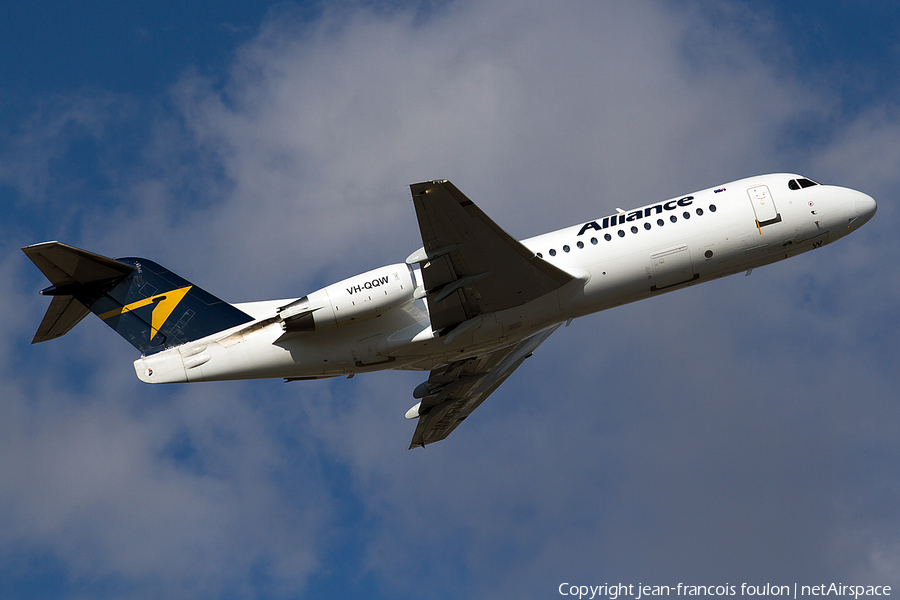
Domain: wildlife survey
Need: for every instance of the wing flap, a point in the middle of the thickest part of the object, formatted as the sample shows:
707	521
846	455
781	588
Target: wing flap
453	391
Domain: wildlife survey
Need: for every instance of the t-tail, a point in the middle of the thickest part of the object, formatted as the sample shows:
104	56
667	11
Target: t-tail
145	303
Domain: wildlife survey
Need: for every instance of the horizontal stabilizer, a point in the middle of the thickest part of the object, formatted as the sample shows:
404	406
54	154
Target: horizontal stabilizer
69	269
145	303
65	312
67	266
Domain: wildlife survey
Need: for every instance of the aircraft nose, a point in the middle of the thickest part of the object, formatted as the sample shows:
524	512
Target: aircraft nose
865	206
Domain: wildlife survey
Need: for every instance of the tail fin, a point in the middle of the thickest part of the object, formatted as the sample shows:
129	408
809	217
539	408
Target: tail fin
146	304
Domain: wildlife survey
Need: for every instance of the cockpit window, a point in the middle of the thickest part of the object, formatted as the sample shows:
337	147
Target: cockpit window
796	184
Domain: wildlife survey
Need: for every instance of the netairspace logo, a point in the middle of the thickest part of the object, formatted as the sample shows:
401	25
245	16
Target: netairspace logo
639	591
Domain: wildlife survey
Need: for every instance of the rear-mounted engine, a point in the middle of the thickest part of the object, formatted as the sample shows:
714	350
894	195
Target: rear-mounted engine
355	299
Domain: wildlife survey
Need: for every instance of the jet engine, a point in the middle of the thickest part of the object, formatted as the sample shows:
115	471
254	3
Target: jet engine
355	299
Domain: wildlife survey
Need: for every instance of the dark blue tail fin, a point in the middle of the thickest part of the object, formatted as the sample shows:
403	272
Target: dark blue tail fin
145	303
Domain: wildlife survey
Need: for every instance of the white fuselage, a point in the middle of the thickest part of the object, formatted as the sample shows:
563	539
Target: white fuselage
379	319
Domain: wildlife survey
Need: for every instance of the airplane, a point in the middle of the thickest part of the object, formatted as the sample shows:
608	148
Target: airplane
469	306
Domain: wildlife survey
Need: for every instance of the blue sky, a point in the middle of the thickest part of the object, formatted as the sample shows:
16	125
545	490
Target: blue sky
739	431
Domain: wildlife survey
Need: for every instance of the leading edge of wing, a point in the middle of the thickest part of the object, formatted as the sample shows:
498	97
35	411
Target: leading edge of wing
470	265
453	391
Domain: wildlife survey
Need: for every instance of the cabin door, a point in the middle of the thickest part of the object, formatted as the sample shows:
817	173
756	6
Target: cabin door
763	205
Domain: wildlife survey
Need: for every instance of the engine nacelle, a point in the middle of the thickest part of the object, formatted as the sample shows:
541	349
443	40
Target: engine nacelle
364	296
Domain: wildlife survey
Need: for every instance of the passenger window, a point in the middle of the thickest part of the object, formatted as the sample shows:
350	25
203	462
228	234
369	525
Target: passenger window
621	233
660	222
647	226
699	211
634	229
539	255
673	218
686	215
712	208
565	248
580	245
607	237
594	240
552	252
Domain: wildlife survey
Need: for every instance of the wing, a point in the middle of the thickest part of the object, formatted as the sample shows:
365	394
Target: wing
470	266
453	391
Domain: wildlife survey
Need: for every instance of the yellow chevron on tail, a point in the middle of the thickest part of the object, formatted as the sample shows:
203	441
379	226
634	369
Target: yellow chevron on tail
165	304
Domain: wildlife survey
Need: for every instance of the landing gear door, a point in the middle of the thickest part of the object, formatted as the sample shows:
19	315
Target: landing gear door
763	205
373	350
